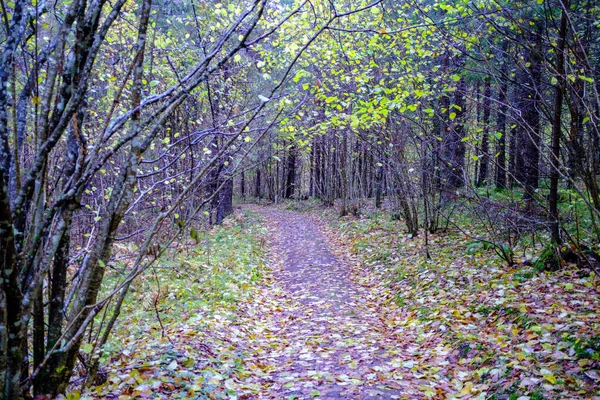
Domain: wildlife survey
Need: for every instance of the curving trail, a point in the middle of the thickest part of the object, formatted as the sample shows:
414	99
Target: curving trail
314	331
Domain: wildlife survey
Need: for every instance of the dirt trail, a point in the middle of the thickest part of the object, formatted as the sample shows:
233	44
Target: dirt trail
327	338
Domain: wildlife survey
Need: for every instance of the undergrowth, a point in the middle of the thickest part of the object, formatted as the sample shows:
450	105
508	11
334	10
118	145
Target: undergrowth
502	332
167	344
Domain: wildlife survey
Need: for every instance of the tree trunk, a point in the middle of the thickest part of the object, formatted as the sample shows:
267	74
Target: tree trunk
243	184
529	127
378	185
225	201
484	159
456	147
12	319
501	142
291	173
556	126
257	183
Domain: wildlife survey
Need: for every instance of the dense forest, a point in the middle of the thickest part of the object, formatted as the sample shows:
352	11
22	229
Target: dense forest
130	129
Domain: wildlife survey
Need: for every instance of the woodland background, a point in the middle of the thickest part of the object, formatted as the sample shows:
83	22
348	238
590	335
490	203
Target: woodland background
127	128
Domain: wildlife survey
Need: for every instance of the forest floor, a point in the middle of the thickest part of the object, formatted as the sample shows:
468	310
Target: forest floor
328	333
348	309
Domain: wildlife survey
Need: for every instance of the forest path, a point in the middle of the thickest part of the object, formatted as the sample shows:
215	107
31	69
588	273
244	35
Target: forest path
322	331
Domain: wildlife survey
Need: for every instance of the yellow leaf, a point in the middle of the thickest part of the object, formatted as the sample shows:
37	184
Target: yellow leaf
584	363
36	100
550	378
467	388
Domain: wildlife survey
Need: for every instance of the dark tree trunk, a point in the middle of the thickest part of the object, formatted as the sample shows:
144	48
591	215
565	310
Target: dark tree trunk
11	307
243	184
311	183
319	168
51	376
378	185
291	173
529	127
225	201
478	123
556	125
456	147
484	159
515	174
257	183
501	142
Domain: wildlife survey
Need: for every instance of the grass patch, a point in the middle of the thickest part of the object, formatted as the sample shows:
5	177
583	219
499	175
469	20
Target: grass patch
167	342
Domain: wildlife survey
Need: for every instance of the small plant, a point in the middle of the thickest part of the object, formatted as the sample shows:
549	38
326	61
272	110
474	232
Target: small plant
549	260
588	348
484	310
477	246
523	276
536	396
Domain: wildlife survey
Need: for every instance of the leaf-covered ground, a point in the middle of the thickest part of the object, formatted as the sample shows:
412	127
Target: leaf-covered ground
196	293
480	328
318	330
351	310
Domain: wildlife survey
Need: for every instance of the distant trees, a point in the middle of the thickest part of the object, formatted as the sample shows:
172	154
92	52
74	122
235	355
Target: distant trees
457	105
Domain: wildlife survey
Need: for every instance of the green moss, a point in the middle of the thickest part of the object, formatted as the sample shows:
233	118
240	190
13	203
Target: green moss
549	259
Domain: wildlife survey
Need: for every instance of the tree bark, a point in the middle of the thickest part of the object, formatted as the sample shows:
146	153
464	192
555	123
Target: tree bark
484	159
501	129
556	125
257	183
291	173
529	127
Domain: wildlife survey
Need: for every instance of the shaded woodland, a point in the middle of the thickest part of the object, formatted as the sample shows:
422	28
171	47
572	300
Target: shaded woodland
129	128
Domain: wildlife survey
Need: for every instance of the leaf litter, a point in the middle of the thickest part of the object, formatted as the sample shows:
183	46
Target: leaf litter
355	312
505	333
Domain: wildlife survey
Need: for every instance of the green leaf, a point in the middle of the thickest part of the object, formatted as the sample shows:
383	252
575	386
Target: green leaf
87	348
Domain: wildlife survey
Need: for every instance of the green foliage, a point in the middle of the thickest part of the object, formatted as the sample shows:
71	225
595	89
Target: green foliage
171	310
587	348
549	259
476	246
